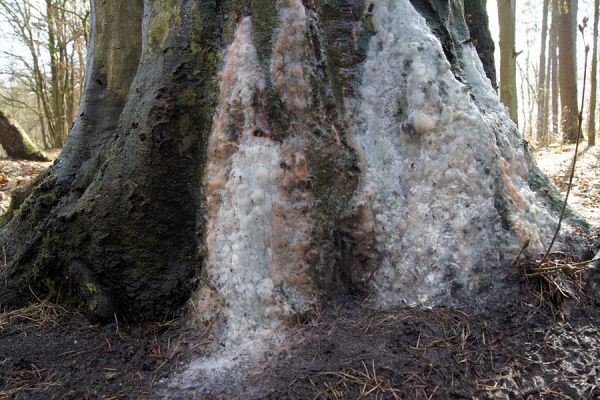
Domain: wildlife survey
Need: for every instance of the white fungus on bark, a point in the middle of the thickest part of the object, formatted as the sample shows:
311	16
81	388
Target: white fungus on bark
435	166
258	229
443	204
241	182
290	55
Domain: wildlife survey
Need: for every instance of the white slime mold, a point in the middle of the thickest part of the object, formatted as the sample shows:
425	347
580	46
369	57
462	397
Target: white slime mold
434	168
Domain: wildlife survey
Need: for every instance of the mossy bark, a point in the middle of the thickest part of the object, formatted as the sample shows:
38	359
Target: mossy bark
16	142
119	210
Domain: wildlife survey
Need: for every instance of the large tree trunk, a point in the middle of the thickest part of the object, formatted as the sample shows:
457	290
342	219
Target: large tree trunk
16	142
508	57
270	155
567	50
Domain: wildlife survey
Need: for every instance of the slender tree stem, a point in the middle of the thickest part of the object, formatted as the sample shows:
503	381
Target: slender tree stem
580	118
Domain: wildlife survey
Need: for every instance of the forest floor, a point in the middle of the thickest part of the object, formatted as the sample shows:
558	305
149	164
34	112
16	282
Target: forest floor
15	174
513	349
556	162
351	350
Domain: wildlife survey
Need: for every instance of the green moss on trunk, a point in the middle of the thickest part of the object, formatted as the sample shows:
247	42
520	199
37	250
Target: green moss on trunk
16	142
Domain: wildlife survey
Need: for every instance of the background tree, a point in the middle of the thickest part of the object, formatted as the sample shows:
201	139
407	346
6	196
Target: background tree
542	95
15	141
53	36
567	45
527	88
553	55
508	54
591	126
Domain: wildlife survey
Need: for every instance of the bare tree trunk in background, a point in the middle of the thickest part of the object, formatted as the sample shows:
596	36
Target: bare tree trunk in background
531	92
542	95
16	142
528	96
46	140
531	97
56	95
553	55
547	133
567	44
591	127
508	67
59	68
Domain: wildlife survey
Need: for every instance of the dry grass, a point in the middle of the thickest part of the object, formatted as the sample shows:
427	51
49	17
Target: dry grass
35	317
556	280
376	379
165	353
365	384
28	380
163	342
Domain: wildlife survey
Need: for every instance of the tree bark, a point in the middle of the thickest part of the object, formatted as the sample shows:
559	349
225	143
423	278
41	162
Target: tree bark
478	22
508	57
567	45
15	141
542	120
547	132
267	156
553	54
591	126
56	68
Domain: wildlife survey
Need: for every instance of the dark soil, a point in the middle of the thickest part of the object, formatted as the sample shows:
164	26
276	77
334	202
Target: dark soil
510	350
507	351
49	353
